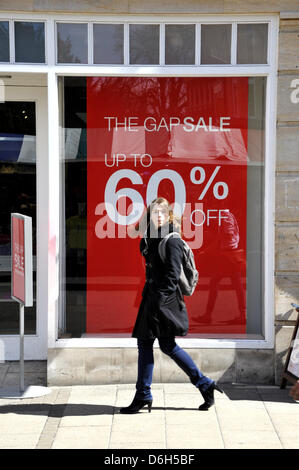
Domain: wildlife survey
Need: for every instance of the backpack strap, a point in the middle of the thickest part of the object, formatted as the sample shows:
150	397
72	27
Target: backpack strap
162	244
145	249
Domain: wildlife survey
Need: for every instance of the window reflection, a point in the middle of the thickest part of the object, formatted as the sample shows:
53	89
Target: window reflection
72	43
223	250
4	41
252	43
29	42
17	194
108	43
179	44
208	131
144	44
215	44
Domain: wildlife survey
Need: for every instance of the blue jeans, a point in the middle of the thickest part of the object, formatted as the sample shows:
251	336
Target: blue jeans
181	358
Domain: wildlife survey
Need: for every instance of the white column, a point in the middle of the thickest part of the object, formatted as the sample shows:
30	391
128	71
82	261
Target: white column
53	207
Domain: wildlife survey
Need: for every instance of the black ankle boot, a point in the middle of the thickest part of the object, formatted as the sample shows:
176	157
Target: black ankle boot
136	405
208	396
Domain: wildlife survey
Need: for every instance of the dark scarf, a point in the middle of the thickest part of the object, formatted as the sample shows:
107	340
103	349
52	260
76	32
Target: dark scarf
154	235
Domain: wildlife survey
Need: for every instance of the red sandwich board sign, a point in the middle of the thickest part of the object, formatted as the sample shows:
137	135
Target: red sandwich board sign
22	292
21	259
21	278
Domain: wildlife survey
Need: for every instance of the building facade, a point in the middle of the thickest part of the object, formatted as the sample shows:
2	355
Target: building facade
104	106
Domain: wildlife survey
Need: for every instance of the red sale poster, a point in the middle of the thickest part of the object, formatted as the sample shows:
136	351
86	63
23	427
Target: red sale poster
18	259
185	139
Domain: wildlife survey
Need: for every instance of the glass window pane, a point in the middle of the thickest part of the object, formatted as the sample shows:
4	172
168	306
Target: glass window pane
215	43
180	44
252	43
29	42
144	43
72	43
17	194
108	43
192	128
4	41
255	201
74	237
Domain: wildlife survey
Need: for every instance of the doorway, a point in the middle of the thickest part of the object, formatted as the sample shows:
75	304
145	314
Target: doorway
23	124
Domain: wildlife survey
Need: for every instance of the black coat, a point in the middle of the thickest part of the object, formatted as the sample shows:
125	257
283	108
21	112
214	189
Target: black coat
162	311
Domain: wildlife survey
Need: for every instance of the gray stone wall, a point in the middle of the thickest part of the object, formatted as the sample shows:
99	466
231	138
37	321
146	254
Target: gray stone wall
84	366
287	194
152	6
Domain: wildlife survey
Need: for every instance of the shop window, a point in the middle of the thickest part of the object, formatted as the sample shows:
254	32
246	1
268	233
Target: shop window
29	42
252	43
144	44
72	43
17	194
108	43
179	44
4	41
216	44
199	142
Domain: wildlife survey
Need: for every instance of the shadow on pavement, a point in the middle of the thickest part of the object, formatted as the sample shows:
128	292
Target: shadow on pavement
77	409
257	393
59	410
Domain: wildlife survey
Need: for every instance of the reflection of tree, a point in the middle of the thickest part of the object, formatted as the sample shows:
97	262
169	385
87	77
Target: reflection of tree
142	96
144	44
64	50
118	44
166	97
179	44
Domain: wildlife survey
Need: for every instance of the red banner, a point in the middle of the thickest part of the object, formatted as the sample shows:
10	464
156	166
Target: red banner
18	259
180	138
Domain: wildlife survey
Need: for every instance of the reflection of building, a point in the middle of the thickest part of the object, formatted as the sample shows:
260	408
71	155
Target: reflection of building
178	142
48	162
225	252
209	145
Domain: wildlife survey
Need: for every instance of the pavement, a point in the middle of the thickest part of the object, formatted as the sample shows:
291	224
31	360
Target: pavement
245	416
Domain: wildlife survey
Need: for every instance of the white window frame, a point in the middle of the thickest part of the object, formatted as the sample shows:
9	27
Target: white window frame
35	343
52	189
11	20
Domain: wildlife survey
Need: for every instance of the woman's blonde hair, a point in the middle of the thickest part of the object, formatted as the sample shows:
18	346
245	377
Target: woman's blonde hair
145	219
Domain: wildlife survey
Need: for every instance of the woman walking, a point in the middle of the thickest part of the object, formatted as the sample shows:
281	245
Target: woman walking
162	313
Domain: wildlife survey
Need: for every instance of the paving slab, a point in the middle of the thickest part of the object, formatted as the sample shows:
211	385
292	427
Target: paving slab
19	441
140	432
82	437
251	440
195	435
